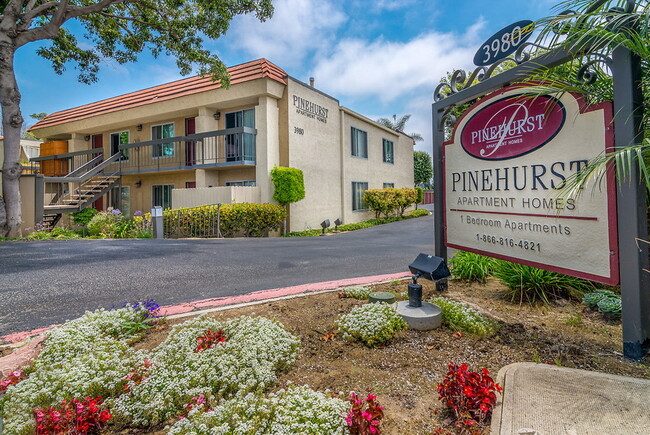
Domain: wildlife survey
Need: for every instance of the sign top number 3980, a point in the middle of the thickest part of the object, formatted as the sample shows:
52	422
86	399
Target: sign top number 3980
503	43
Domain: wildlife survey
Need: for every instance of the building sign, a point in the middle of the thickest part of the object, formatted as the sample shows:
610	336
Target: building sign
503	43
509	155
309	109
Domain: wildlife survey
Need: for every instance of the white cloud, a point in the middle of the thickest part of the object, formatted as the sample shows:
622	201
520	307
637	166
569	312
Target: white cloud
388	70
392	5
298	27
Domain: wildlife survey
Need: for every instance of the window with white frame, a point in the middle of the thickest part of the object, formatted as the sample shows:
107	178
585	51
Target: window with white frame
358	189
241	183
117	139
359	143
162	131
161	195
240	146
389	185
388	151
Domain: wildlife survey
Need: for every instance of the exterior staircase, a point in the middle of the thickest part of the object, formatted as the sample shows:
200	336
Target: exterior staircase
79	189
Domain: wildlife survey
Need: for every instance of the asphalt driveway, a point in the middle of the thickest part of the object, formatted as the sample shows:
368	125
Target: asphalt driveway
43	283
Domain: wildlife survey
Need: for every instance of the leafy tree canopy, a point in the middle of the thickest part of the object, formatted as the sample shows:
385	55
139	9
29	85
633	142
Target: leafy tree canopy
422	167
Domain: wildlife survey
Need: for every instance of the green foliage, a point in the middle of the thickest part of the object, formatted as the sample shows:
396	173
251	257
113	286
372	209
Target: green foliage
592	299
469	266
420	195
251	219
372	324
417	213
289	185
532	284
386	202
356	292
422	167
574	320
58	233
610	307
459	317
359	225
606	301
84	216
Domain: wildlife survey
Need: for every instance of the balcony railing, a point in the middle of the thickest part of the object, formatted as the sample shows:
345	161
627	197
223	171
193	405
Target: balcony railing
61	165
233	146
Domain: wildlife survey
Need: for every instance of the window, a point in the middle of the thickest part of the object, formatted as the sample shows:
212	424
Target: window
120	198
389	185
241	183
388	151
117	139
358	189
359	143
240	146
162	131
162	195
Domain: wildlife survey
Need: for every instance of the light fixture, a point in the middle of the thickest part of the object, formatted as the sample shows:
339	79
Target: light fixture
138	127
324	224
138	183
87	137
217	115
337	222
428	267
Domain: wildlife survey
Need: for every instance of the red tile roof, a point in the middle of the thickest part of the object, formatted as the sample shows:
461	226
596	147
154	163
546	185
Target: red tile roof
253	70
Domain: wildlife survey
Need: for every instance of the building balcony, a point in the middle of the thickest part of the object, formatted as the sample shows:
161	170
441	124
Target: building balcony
219	148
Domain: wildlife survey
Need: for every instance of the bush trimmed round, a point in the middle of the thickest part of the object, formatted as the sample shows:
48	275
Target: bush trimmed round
372	324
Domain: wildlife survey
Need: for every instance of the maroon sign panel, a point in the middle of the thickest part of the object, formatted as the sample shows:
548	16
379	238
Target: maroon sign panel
512	127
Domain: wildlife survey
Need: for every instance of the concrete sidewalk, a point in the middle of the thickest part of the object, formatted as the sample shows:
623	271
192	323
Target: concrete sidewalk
540	399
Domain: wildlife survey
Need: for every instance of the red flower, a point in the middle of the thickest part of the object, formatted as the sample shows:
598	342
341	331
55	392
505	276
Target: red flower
209	339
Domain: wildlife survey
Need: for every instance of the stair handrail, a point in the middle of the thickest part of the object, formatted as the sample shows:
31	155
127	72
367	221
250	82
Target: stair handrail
83	167
80	179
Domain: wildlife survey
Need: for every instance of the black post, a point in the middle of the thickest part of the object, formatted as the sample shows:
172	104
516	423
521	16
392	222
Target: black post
631	204
440	249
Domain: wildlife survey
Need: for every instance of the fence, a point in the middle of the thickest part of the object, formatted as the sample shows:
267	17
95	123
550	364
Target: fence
200	222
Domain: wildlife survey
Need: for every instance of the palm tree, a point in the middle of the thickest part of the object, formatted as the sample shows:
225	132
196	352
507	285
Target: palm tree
601	25
400	125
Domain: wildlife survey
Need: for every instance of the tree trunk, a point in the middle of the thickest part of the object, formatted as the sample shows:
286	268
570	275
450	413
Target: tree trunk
12	122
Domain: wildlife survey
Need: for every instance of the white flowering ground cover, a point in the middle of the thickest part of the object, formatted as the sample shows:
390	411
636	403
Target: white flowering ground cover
91	356
372	324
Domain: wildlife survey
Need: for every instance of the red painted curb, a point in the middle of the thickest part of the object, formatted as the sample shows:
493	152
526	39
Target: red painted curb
261	295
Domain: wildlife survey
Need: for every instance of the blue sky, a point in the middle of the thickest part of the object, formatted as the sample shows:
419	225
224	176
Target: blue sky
378	58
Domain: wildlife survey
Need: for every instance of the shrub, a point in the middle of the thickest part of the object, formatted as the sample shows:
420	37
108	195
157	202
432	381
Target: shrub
469	266
297	410
459	317
289	185
72	417
419	195
112	223
386	202
45	233
254	350
251	219
469	395
532	284
356	292
84	216
372	324
417	213
610	306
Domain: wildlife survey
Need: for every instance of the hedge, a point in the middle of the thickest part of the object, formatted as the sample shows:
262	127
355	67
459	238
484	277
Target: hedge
390	201
251	219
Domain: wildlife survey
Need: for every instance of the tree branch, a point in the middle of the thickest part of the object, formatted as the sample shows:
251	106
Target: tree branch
30	14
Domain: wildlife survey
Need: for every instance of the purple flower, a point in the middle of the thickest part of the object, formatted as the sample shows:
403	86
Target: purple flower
137	213
116	211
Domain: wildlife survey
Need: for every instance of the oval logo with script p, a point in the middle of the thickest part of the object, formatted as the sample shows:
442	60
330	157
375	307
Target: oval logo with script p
512	126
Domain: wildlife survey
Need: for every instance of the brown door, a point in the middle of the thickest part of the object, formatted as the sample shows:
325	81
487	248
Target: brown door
190	147
98	143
